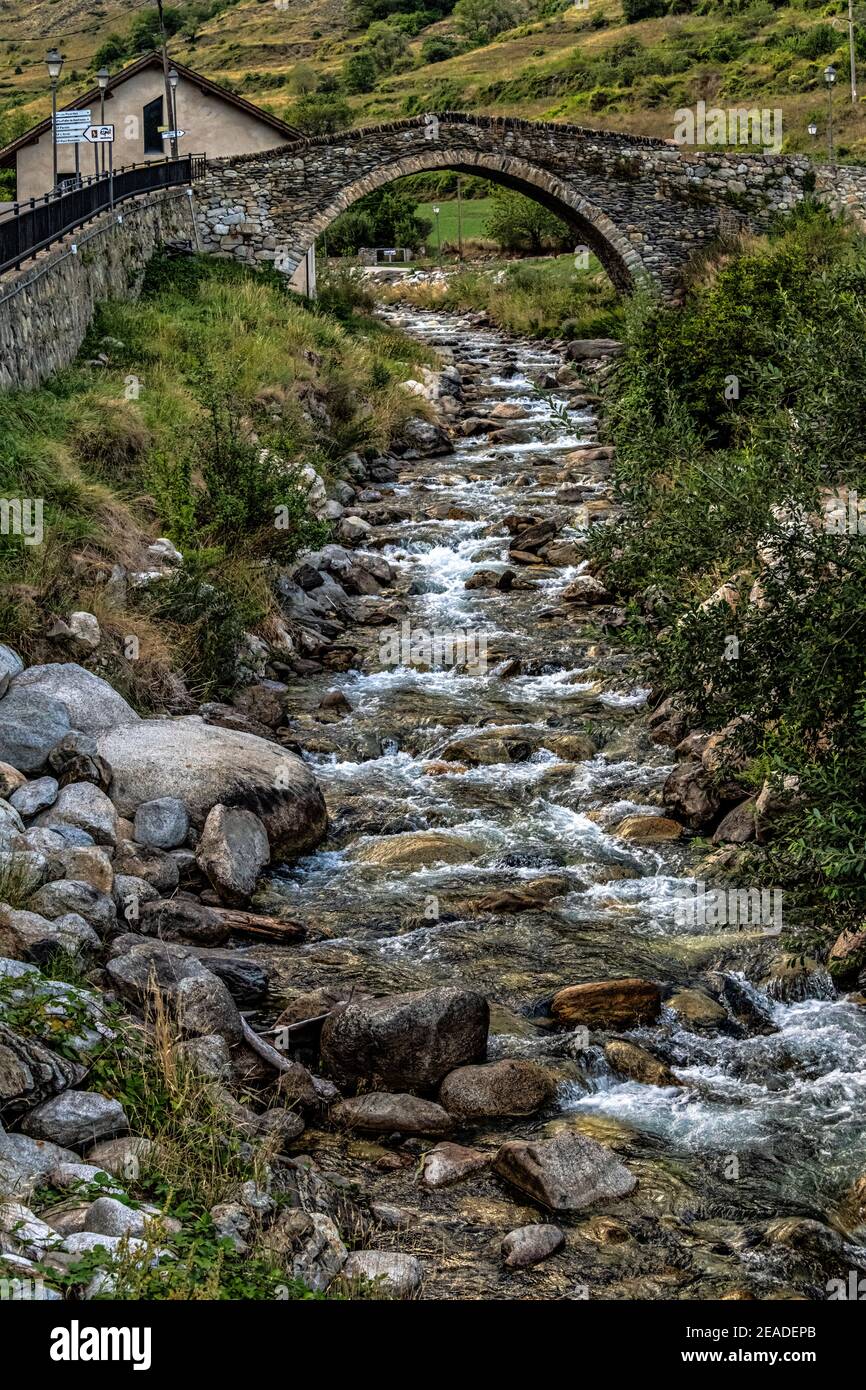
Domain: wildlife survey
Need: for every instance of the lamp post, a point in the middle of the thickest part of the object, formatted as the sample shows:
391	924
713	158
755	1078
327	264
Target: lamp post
830	78
102	78
173	80
438	237
54	63
812	128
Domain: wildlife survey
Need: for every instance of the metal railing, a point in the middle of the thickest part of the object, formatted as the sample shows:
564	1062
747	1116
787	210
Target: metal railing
29	227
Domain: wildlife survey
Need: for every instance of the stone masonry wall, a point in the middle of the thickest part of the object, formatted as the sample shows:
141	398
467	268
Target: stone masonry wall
643	205
46	306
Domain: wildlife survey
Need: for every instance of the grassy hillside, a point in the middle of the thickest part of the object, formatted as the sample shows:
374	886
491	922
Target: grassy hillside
586	65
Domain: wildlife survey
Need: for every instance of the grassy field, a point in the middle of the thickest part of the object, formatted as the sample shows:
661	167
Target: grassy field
474	216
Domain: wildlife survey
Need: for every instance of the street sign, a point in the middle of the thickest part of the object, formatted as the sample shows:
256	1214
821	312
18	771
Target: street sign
69	126
99	135
173	134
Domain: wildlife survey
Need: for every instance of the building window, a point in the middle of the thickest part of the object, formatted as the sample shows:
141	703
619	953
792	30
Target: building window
153	142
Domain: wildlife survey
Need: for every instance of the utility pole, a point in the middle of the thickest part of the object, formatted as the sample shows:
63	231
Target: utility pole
459	218
851	50
169	104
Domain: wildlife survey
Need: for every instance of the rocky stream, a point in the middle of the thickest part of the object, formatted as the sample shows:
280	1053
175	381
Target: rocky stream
499	830
511	1066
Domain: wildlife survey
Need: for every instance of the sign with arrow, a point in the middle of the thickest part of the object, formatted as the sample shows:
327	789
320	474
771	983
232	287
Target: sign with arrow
99	135
69	126
173	134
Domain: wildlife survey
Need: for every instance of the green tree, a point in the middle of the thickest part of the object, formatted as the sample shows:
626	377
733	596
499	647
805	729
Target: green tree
635	10
318	113
387	217
359	72
386	45
517	223
481	20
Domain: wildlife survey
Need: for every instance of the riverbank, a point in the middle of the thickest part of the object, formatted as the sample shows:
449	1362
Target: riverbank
507	1062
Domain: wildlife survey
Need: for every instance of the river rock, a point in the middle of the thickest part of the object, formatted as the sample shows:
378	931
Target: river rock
691	795
29	936
70	895
504	1088
197	1000
638	1065
406	1041
154	866
76	1119
30	1073
649	829
24	1161
847	958
10	665
586	589
84	806
204	766
180	919
739	825
309	1244
34	797
10	780
163	823
529	1245
398	1275
696	1009
88	864
379	1112
91	704
416	848
565	1173
31	722
123	1157
232	851
608	1004
449	1163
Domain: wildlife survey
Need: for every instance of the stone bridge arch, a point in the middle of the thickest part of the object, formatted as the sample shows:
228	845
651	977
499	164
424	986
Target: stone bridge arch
644	206
591	226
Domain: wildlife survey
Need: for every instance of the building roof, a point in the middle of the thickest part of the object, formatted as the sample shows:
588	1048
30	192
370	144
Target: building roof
149	60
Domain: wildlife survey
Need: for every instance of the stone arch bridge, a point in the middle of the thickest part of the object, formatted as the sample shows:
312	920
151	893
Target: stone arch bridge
644	206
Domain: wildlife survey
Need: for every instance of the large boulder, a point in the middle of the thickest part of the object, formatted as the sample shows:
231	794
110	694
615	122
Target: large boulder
608	1004
31	722
205	766
197	1000
91	704
510	1087
406	1041
76	1119
28	936
565	1173
232	851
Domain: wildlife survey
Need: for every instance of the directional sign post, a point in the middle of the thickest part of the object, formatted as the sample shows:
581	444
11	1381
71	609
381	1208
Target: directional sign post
173	134
69	126
99	134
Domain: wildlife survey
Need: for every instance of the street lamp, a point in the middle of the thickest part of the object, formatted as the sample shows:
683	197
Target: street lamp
173	80
438	238
102	78
830	78
812	128
54	63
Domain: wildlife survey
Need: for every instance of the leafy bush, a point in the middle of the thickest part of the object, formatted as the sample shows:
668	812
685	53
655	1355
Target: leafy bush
517	223
318	113
735	419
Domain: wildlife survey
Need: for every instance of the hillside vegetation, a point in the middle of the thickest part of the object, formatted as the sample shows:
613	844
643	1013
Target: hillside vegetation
610	64
190	414
739	425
